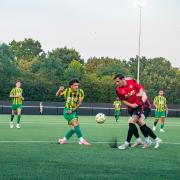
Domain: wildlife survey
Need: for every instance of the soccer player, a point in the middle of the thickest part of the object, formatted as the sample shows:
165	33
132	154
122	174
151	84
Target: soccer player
73	98
161	110
134	97
117	108
17	98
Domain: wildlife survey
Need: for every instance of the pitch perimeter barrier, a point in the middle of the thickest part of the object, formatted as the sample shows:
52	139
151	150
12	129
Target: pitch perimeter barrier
88	109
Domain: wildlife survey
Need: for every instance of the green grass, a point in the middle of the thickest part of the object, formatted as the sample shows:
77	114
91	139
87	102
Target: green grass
34	153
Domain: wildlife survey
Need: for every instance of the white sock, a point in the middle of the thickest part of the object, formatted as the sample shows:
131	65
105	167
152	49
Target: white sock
81	139
64	138
127	143
146	139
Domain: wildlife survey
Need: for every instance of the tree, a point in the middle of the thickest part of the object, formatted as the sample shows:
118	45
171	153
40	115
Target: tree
8	70
65	55
75	70
26	49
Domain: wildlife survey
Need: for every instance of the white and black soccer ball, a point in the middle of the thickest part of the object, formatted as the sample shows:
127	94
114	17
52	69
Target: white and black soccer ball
100	118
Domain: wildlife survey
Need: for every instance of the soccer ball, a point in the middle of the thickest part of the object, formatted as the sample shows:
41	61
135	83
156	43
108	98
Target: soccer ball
100	118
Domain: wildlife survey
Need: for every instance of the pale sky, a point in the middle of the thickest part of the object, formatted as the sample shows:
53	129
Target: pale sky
95	27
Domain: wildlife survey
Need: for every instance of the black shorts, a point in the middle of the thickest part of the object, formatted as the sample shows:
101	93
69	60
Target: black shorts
146	111
135	111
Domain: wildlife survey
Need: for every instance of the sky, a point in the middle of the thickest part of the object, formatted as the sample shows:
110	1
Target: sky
95	27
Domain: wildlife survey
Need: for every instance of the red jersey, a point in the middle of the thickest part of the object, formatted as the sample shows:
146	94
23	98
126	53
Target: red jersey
129	92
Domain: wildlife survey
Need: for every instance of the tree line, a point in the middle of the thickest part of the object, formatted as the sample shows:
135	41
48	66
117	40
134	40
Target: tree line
42	73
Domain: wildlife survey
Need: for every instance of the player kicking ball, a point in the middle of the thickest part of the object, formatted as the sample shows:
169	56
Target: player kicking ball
17	98
73	98
134	97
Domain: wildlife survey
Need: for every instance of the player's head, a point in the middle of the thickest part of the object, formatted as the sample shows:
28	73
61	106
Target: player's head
117	99
161	93
119	80
74	84
18	84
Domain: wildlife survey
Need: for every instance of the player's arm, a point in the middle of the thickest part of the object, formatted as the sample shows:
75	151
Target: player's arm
141	93
60	90
155	102
79	104
166	107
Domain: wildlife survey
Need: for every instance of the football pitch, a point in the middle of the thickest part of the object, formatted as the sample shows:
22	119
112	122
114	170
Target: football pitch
32	152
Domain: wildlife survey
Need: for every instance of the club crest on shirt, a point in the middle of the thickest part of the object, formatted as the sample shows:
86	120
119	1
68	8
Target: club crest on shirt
131	86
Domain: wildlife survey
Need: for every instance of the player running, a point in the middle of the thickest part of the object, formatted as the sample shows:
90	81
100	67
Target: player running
134	97
73	98
117	108
160	111
17	98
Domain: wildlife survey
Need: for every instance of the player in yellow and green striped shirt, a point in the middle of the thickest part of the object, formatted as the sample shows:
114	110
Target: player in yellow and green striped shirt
161	110
117	108
17	98
73	97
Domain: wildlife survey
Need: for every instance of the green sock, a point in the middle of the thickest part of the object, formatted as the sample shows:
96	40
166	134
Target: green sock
12	117
162	126
155	123
18	119
78	131
69	133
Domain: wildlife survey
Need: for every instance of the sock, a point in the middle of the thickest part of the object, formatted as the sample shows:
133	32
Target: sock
150	132
12	117
69	133
78	131
155	123
130	132
144	130
18	119
136	134
162	126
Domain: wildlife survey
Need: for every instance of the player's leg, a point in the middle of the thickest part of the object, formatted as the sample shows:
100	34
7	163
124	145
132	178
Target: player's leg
78	132
147	131
117	114
144	131
156	120
18	116
73	122
162	122
131	131
14	111
67	135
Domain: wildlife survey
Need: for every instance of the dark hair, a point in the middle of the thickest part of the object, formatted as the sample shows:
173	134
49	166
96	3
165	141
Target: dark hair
72	81
120	76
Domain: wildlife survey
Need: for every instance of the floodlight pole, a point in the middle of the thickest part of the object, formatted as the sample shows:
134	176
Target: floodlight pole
139	45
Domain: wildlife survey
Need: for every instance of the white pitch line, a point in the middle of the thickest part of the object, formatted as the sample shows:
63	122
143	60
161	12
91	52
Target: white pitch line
63	123
93	142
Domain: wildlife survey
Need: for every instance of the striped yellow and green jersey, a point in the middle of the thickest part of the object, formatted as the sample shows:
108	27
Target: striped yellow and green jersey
72	98
117	105
160	103
15	92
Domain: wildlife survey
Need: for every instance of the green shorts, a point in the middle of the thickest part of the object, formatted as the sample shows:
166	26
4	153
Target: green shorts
160	114
117	113
14	107
70	117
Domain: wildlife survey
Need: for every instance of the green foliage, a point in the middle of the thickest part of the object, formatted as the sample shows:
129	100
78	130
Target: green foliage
26	49
75	70
42	73
7	70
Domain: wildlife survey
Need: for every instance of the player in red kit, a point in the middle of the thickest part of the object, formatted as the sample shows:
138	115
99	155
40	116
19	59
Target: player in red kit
134	97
